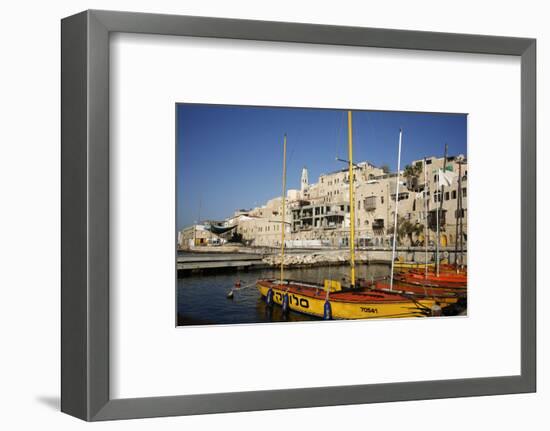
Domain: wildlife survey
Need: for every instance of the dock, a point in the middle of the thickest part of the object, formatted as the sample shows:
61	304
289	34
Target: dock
213	261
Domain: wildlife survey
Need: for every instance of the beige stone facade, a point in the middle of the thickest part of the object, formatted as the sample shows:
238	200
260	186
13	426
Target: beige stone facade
320	212
197	236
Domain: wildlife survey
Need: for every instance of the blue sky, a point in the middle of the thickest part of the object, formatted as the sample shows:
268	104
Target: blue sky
230	157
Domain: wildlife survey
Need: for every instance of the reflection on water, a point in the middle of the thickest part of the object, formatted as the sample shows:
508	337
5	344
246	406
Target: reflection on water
202	299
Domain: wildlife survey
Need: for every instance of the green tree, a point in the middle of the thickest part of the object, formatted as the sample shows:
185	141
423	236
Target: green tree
411	173
413	170
406	229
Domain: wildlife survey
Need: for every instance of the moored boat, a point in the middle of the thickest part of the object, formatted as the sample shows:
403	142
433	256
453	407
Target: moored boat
439	295
412	265
443	269
444	280
349	304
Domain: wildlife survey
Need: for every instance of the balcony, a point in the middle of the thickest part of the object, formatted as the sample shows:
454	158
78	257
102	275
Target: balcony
370	203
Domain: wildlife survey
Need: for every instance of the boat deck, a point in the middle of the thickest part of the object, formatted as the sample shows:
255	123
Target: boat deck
314	291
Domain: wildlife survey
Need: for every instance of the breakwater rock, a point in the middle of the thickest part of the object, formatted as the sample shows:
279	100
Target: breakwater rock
313	259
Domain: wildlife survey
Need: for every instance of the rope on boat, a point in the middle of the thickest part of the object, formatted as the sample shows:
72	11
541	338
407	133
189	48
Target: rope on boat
238	287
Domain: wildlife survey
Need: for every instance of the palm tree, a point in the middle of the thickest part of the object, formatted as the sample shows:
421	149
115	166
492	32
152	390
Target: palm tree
417	230
411	173
406	229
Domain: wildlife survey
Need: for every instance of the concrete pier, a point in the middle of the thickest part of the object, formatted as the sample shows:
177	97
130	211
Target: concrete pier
219	261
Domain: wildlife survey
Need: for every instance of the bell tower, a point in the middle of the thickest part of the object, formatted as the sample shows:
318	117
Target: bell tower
304	182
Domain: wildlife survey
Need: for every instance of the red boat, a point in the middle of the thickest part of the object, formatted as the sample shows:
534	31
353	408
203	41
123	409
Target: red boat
440	295
443	269
443	280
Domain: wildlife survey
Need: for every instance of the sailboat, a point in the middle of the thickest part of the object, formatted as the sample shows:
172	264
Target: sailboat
443	296
448	280
331	300
412	265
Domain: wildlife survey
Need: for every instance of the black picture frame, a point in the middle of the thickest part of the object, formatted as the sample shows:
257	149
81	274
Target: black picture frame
85	214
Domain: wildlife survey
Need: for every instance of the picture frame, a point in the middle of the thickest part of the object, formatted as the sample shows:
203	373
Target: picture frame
85	341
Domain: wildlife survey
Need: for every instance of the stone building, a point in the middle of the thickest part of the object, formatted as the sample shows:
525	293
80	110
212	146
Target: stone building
197	236
320	212
262	225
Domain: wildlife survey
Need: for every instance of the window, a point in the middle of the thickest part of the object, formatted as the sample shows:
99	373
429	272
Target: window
381	199
464	192
453	194
446	196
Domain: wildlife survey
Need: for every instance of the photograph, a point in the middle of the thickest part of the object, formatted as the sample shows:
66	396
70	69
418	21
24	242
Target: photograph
296	214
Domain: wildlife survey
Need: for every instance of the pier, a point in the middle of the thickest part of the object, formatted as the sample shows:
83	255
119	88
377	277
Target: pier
219	261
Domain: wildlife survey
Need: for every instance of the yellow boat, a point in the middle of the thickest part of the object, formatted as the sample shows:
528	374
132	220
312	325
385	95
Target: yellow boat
400	264
412	265
351	304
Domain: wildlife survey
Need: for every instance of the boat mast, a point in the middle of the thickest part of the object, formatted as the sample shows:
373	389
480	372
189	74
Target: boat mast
457	215
283	213
459	196
425	220
439	210
396	207
351	203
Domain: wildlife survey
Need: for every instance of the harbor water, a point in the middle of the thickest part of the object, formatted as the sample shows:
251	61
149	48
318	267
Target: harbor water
202	297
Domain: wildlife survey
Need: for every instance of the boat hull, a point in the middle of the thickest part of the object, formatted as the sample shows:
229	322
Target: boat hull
345	305
442	296
447	281
412	265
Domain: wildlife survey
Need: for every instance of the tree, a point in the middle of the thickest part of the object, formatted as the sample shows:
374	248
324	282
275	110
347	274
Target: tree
406	229
411	173
413	170
385	168
416	230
